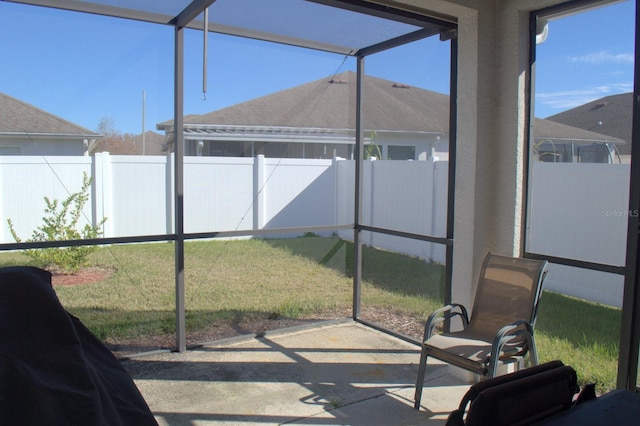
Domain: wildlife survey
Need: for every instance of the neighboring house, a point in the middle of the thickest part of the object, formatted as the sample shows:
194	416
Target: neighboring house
559	143
28	130
317	120
611	115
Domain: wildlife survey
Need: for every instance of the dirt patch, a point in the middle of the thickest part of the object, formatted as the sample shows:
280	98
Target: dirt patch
252	325
215	331
84	276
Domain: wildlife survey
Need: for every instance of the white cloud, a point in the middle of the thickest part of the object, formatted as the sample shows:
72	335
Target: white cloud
603	57
567	99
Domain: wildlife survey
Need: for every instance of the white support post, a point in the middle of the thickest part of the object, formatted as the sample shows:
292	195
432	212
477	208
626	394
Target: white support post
102	200
336	190
170	205
258	192
368	217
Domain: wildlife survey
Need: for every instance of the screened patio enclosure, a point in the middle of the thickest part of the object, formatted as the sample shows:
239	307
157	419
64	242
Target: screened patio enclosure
491	62
350	29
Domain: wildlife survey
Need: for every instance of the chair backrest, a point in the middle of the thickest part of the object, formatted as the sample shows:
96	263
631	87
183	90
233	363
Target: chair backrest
508	290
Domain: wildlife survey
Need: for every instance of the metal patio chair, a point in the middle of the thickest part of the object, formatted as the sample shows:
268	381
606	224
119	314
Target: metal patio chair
501	323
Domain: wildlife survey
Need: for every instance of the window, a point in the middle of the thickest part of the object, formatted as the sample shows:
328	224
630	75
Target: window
401	152
577	213
244	197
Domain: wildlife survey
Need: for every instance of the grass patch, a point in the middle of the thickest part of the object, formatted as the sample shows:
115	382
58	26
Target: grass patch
582	334
228	282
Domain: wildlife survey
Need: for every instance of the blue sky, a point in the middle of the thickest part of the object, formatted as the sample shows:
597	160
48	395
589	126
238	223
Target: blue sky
586	56
84	68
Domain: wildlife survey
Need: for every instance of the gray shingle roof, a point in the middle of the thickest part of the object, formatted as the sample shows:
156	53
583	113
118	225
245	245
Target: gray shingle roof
611	115
330	103
547	129
20	117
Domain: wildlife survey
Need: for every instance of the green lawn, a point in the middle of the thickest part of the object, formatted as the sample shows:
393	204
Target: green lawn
227	282
581	334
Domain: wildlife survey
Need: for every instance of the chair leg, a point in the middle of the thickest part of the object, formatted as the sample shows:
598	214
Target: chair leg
533	351
493	369
420	382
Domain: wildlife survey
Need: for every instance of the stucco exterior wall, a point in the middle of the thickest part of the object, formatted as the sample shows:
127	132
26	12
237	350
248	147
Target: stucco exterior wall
42	146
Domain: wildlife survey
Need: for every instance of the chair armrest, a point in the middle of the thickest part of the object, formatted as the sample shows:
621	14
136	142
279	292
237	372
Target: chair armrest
442	314
509	332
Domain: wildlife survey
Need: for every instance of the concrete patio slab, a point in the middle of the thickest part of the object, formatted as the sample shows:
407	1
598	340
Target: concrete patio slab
335	373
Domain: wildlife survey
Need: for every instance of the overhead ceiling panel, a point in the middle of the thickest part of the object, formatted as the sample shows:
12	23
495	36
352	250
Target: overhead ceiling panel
345	27
163	7
160	12
308	23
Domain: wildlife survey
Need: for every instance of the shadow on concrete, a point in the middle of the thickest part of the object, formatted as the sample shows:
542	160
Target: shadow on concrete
342	373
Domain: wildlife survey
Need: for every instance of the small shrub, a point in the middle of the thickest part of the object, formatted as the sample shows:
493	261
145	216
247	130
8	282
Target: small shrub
60	224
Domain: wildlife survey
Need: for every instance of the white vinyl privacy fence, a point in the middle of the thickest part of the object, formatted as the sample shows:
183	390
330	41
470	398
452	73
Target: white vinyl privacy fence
135	193
578	210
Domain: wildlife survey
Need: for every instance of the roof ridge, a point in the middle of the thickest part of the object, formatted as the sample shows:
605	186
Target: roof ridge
47	113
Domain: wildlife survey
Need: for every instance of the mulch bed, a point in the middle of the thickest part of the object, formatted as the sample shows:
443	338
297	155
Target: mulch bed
84	276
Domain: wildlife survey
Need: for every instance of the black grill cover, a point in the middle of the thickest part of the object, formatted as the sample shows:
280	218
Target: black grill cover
53	371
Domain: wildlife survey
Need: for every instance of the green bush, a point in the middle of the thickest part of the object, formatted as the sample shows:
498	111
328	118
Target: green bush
60	223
